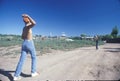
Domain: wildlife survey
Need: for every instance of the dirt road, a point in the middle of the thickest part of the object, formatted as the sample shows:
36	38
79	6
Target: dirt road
85	63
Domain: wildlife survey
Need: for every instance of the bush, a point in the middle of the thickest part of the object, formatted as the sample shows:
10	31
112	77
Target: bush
115	40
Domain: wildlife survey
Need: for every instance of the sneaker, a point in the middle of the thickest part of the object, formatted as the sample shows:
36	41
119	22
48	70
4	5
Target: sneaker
16	78
34	74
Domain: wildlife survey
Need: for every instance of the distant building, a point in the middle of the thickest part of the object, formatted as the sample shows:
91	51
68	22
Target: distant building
87	38
63	36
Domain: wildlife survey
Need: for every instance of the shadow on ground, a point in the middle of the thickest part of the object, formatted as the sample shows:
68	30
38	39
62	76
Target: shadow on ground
112	49
9	75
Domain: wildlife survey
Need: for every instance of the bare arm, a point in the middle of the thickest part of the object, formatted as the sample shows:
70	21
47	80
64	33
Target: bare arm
31	21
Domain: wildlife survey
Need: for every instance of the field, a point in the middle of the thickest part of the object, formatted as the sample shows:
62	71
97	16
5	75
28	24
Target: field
58	59
46	45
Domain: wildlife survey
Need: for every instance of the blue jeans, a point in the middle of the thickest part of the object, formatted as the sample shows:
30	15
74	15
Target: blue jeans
96	44
27	47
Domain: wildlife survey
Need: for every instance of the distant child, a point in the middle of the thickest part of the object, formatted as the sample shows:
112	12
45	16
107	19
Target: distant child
27	47
96	40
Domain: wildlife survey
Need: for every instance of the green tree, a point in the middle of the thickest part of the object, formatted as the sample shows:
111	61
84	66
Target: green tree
114	32
83	35
105	37
118	36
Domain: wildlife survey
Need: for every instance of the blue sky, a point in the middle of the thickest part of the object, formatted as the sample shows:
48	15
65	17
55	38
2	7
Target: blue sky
74	17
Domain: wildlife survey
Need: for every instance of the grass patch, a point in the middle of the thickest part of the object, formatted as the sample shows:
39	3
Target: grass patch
6	43
45	46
